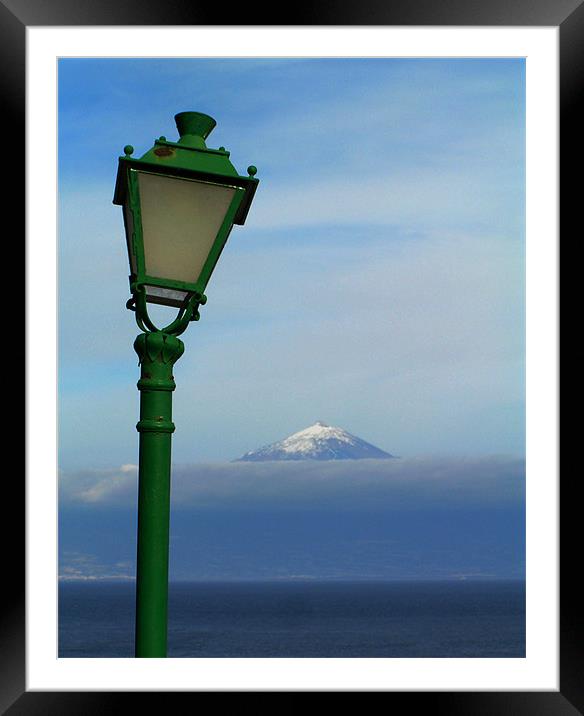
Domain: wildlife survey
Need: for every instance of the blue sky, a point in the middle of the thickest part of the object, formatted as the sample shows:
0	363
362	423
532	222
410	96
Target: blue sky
378	285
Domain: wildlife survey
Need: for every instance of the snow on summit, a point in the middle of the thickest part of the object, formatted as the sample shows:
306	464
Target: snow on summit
317	442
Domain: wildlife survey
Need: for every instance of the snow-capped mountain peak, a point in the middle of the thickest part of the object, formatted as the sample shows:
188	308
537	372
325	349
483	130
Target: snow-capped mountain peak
317	442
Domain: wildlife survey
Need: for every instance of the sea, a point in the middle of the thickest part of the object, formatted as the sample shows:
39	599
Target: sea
301	619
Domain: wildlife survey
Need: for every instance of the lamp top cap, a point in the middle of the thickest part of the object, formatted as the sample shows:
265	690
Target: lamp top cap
194	123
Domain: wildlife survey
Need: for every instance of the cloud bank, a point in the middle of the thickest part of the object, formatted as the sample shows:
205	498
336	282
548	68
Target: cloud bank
413	483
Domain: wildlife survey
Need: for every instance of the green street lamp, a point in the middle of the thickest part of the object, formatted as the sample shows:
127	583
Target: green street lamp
180	201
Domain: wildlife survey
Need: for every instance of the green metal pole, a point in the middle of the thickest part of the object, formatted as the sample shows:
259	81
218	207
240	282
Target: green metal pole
157	352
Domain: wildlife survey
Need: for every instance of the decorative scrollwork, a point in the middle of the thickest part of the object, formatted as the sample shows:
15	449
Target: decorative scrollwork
186	313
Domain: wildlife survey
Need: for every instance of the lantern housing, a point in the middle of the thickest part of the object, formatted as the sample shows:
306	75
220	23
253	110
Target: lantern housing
180	201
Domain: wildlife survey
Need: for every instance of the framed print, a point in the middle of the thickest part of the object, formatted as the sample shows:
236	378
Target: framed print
414	284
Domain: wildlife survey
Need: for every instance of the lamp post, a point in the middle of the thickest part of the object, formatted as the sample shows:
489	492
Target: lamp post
180	201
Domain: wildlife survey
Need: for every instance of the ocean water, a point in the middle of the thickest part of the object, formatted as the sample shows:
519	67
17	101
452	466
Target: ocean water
303	619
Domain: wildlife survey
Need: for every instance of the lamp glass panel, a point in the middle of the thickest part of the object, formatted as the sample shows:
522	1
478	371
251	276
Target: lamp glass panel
165	296
180	222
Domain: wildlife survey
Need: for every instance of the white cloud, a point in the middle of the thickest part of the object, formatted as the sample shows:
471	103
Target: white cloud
98	486
427	198
371	484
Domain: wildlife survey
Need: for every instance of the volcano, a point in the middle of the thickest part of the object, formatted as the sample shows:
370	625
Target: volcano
317	442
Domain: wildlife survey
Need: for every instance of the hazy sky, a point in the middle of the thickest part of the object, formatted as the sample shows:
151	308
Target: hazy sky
377	285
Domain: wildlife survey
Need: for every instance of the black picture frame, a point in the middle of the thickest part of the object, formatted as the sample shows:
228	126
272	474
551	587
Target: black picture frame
568	15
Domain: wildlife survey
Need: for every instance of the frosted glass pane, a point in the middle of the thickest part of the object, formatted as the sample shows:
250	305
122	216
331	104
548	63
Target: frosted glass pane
180	222
165	296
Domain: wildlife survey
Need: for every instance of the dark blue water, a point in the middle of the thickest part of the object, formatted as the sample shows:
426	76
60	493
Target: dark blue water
304	619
